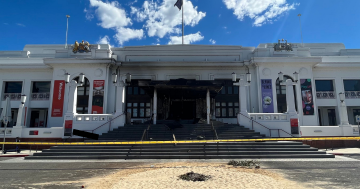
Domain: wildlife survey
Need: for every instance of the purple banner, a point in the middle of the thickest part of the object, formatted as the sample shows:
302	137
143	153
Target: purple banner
307	98
267	96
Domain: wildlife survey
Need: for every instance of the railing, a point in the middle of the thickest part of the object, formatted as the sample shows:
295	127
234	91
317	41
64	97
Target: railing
252	126
40	96
145	134
213	128
12	96
107	122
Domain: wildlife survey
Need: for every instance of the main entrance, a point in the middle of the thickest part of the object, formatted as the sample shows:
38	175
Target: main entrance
182	110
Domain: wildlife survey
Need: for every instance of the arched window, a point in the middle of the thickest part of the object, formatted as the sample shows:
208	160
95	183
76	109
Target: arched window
83	91
281	95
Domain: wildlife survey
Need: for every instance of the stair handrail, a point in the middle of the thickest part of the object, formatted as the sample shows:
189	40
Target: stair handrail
265	126
142	138
212	125
107	122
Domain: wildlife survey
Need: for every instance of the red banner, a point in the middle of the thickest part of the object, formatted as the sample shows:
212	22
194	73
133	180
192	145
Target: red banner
68	124
58	98
98	97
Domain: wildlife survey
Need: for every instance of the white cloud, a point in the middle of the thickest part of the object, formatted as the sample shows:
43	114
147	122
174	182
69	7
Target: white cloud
104	40
163	18
112	16
22	25
262	11
126	34
188	39
88	15
212	41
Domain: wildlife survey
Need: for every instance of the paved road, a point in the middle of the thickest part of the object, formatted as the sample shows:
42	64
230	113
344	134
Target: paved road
331	173
30	175
326	174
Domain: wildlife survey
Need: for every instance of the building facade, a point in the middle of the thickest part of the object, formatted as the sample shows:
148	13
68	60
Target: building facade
232	84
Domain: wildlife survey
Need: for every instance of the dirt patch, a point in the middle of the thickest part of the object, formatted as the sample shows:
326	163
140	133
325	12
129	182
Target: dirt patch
165	175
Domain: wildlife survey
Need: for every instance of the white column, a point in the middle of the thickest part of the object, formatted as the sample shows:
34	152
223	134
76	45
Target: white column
344	120
120	96
243	97
72	98
155	107
208	106
20	116
290	97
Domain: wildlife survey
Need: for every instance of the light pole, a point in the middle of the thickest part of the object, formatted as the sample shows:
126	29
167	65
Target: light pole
67	27
302	44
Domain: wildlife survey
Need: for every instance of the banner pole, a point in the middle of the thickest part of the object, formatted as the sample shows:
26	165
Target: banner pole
183	22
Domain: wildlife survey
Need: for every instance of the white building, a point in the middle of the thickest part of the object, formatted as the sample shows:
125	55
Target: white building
191	81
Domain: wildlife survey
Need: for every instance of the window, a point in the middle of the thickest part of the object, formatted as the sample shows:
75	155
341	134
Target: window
41	87
281	95
352	85
139	110
82	97
226	109
324	85
41	90
13	87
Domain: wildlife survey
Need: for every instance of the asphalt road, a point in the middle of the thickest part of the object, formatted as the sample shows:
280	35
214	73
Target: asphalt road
326	174
27	174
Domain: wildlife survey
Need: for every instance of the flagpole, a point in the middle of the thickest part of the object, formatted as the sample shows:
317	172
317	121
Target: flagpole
183	22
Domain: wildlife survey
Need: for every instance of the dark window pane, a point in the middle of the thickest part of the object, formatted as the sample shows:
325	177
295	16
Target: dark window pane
223	90
142	91
324	85
135	112
223	112
352	85
129	90
236	90
231	113
136	90
229	90
41	87
13	87
217	112
142	112
147	112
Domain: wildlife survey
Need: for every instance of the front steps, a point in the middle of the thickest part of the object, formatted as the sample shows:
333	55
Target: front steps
240	150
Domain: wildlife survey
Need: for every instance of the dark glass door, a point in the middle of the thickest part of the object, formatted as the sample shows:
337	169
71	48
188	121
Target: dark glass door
355	113
332	117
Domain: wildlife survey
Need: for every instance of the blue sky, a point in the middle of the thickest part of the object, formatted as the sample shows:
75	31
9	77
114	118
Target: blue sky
139	22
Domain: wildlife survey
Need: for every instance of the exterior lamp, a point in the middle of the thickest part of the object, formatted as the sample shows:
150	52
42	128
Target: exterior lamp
281	76
114	77
67	78
128	78
248	77
81	78
296	76
233	76
342	97
23	99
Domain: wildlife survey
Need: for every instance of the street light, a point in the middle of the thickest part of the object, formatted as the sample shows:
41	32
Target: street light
233	76
128	78
342	97
281	76
67	78
23	99
296	76
81	78
114	77
248	77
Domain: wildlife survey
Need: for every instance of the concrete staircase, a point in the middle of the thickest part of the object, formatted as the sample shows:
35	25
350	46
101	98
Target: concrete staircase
240	150
185	131
188	131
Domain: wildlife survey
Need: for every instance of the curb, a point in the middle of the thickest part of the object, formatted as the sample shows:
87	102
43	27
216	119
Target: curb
21	155
343	154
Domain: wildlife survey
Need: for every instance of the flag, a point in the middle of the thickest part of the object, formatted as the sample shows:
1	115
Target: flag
179	4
